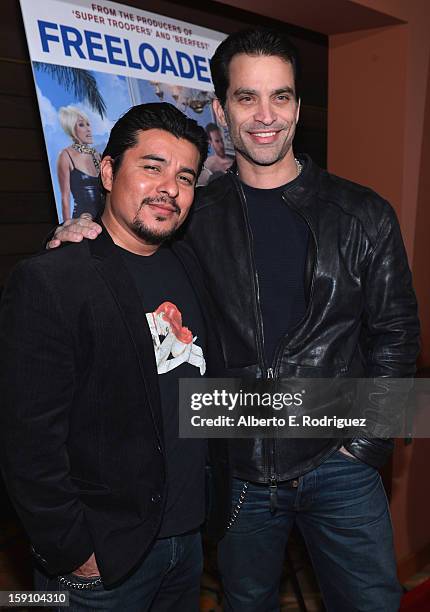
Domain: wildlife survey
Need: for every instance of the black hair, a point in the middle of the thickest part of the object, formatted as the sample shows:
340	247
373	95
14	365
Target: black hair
252	41
211	127
153	116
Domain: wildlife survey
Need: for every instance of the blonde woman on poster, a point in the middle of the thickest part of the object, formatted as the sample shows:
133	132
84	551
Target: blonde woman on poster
78	165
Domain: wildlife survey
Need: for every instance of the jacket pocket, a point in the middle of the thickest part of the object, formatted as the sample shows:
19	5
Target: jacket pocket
88	487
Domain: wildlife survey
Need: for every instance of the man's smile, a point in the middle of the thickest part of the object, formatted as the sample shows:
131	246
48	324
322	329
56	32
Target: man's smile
264	137
162	206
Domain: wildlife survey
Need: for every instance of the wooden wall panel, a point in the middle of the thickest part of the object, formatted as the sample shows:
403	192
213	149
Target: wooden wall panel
32	207
17	78
24	175
22	238
23	144
19	112
12	36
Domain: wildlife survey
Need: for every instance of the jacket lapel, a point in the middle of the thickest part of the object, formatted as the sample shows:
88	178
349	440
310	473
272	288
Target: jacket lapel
109	264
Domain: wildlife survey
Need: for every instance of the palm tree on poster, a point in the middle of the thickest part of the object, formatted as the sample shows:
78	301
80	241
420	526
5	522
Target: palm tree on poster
80	82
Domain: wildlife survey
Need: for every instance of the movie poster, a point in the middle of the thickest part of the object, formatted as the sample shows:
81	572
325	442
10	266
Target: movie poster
91	62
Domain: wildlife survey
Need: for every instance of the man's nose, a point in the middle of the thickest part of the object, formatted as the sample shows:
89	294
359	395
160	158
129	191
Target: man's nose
265	113
169	185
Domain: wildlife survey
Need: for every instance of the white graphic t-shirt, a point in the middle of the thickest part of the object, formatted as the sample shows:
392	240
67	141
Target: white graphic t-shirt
174	344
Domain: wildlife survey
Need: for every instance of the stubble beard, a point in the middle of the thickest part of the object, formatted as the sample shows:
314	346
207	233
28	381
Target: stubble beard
251	155
264	157
149	235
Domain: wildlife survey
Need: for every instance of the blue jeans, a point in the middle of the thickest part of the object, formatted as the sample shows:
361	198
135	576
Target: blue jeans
168	580
342	512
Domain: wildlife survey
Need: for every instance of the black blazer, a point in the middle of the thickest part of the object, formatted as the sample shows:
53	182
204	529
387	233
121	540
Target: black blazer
81	433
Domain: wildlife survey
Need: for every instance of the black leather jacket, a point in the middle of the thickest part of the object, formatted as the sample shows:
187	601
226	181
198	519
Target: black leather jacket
361	317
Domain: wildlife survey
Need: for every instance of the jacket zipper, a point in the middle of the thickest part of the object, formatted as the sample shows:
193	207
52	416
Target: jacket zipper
274	369
271	467
257	310
267	372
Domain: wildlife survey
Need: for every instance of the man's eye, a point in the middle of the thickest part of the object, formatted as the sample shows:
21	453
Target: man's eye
283	98
186	179
152	168
245	99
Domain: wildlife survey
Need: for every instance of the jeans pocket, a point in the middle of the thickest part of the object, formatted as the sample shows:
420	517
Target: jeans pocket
351	458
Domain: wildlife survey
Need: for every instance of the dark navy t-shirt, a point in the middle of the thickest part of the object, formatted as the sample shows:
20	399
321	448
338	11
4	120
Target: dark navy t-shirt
178	331
280	241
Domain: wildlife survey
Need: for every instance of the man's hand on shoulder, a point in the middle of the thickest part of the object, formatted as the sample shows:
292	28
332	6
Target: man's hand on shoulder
74	230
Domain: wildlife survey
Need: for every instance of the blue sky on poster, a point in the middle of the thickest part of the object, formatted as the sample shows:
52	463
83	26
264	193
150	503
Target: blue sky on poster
52	97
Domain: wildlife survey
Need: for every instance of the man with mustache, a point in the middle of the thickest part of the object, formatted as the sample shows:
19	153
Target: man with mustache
310	279
111	499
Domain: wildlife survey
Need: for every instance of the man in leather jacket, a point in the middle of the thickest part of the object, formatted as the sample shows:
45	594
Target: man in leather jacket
309	278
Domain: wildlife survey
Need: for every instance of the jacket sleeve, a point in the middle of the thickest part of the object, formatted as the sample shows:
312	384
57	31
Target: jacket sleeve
37	379
392	333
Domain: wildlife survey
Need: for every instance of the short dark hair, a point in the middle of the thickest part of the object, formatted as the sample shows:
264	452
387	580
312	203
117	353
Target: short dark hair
252	41
153	116
212	127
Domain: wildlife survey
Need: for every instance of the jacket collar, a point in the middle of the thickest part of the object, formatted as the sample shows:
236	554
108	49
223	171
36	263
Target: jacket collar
300	189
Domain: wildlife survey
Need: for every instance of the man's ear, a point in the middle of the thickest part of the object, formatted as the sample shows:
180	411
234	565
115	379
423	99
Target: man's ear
106	172
219	112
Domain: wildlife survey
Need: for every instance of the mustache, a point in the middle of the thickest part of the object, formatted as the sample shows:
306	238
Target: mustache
161	200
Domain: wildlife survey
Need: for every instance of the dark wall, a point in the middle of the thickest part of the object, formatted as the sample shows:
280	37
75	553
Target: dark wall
27	208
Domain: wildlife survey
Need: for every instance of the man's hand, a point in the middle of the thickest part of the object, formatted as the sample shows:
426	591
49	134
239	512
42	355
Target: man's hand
346	452
74	230
89	569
